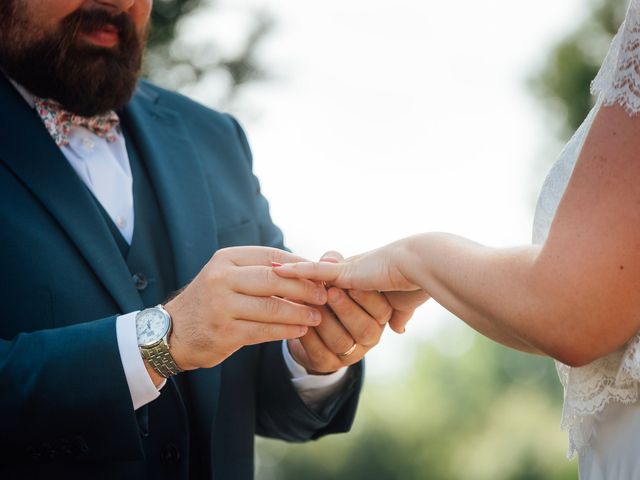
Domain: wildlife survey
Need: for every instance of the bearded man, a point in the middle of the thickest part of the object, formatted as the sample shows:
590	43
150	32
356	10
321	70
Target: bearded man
114	194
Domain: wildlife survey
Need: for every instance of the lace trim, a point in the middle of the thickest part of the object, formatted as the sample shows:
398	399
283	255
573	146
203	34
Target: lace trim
589	389
618	81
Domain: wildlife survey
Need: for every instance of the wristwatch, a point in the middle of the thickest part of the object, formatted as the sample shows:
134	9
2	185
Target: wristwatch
153	327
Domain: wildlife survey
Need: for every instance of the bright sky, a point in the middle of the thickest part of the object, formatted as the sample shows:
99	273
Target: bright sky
396	117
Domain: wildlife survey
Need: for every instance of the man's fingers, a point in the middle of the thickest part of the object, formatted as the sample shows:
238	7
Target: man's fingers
364	329
319	271
274	310
253	333
263	282
298	352
374	303
333	334
320	358
398	322
404	304
266	256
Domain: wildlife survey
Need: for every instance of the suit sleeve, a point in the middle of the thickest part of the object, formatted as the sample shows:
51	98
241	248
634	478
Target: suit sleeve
64	395
281	412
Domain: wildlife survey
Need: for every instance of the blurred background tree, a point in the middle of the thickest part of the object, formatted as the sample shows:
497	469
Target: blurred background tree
488	414
563	84
173	61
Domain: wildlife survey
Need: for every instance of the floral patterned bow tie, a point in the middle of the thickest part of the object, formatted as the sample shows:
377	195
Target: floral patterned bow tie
59	122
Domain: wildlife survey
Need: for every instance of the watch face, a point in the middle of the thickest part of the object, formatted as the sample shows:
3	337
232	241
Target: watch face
151	326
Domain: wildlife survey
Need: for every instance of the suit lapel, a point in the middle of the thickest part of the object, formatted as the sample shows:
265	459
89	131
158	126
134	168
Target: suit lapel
29	151
174	167
175	171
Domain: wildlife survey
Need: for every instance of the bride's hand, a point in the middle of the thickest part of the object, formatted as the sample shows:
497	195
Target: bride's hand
375	270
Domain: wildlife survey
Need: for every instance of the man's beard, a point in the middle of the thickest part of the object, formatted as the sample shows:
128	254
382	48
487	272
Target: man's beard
86	80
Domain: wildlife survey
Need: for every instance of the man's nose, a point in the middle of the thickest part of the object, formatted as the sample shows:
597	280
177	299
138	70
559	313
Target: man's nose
115	6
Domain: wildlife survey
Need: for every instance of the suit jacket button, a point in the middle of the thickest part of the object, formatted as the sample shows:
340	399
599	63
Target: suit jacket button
170	454
140	281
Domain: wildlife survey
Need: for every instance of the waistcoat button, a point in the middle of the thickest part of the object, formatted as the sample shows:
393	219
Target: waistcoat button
170	454
140	281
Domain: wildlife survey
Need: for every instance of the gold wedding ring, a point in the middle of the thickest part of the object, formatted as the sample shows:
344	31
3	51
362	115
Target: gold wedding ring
350	351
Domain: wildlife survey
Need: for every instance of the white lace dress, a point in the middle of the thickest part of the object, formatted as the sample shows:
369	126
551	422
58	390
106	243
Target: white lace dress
602	400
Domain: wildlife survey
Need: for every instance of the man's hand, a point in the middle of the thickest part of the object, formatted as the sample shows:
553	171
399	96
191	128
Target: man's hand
238	300
352	319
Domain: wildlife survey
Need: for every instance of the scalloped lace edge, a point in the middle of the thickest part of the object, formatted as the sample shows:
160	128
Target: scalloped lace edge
618	81
589	389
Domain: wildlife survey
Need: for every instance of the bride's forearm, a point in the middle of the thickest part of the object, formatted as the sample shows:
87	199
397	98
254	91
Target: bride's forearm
576	297
489	289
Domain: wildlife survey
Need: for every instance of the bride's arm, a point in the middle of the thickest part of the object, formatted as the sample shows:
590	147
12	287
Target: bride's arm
577	297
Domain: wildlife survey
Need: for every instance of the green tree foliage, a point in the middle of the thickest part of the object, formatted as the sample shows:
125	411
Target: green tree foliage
174	65
563	84
489	414
165	17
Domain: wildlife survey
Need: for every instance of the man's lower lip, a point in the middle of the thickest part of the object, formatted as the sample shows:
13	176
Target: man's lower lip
103	38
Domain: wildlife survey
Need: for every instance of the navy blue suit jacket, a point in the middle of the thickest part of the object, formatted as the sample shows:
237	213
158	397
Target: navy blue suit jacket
65	408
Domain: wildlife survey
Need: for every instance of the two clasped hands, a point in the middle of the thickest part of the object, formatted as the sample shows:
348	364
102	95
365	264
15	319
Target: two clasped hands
251	295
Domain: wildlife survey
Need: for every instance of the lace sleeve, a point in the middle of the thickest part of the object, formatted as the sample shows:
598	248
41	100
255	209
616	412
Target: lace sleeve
618	81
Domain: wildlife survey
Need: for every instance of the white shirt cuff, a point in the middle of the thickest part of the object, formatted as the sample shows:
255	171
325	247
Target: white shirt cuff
313	389
141	387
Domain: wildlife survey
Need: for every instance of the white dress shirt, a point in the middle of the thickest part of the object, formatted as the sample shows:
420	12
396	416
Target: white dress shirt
105	169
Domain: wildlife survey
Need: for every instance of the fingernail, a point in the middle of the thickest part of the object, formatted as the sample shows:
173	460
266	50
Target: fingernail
303	331
284	267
